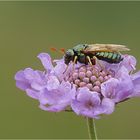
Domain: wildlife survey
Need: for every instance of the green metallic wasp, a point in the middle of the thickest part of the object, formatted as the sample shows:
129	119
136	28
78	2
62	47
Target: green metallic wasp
85	54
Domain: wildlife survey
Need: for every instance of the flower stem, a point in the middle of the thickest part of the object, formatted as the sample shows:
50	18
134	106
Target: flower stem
91	129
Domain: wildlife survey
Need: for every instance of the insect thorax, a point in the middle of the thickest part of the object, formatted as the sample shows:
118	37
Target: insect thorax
79	48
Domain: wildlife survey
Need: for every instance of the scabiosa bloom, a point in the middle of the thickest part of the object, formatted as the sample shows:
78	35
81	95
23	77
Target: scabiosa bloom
84	89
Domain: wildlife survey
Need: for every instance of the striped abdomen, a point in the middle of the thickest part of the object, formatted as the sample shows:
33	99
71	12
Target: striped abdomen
110	57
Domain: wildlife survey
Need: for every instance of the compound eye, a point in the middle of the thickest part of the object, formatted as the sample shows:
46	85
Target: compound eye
70	53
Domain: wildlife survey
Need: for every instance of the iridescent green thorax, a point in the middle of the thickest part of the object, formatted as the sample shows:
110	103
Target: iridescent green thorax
79	48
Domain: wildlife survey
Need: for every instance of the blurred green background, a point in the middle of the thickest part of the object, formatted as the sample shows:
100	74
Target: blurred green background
28	28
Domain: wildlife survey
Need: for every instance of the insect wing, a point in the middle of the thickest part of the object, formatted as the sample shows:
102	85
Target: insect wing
106	48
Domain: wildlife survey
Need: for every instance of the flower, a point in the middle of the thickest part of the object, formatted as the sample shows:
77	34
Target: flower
84	89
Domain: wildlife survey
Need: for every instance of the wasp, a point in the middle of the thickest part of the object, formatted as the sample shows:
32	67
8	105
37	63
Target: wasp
85	53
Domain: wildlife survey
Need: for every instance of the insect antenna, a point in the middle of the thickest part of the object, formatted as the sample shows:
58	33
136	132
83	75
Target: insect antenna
62	51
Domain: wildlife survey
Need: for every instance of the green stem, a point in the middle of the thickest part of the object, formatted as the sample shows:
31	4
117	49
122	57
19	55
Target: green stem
91	129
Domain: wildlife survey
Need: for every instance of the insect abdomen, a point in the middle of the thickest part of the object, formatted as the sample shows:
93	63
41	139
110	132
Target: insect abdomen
110	57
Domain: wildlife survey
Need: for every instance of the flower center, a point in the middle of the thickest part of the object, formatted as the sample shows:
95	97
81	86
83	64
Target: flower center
89	105
90	76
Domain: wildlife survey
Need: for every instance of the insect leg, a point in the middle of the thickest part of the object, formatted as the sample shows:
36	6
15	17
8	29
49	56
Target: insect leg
96	60
89	60
131	72
74	61
66	69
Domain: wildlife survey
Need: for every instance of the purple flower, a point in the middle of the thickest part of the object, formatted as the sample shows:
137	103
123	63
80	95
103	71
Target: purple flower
84	89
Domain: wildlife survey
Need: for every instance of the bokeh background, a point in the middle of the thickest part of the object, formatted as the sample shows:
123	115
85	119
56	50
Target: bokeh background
28	28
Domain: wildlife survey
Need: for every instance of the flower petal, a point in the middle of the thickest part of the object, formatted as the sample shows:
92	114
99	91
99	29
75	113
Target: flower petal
22	85
86	103
83	94
136	82
29	74
52	82
129	62
31	93
20	76
80	109
117	89
21	81
53	108
46	61
57	99
108	106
